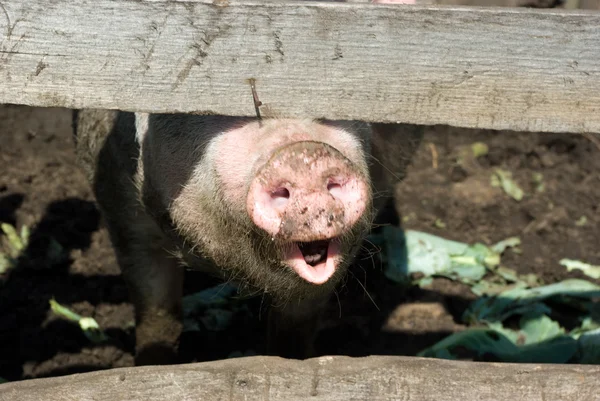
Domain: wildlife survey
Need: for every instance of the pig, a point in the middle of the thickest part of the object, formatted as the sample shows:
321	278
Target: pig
279	206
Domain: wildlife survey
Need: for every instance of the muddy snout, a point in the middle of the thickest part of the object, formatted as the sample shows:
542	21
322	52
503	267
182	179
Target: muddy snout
307	191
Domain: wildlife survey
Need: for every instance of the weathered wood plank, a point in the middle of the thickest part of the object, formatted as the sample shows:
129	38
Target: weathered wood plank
327	378
516	69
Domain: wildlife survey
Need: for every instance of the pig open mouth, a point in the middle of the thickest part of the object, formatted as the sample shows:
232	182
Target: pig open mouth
314	261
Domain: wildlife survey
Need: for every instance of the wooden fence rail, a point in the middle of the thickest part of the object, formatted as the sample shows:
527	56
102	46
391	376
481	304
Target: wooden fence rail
519	69
329	378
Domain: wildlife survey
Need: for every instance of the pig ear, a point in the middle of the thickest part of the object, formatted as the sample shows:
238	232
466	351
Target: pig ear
141	126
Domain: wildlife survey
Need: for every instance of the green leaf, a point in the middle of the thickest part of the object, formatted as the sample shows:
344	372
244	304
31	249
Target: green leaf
539	328
557	350
409	251
55	253
429	254
210	297
88	325
587	324
439	223
511	242
216	319
513	335
530	279
14	240
425	282
571	287
485	287
589	347
480	341
503	179
587	269
521	300
507	274
395	251
500	343
538	182
479	149
64	311
490	287
25	234
213	307
481	311
5	263
468	274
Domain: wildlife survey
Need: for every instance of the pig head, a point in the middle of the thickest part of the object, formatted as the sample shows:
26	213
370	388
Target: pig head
280	204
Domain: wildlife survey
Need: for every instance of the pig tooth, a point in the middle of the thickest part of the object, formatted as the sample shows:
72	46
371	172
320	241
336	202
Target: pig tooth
316	258
312	259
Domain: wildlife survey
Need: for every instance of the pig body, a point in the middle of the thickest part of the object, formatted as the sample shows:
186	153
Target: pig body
278	205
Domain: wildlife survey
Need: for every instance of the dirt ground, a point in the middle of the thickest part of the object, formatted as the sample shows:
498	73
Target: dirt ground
41	187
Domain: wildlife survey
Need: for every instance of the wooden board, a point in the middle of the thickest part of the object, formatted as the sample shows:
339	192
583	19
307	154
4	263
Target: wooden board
518	69
328	378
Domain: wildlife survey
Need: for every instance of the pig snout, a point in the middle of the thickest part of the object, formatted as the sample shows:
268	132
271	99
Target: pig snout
308	195
307	192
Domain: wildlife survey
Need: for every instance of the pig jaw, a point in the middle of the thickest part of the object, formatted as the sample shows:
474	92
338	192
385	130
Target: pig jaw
308	195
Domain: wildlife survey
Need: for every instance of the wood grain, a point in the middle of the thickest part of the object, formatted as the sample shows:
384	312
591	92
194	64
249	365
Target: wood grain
516	69
327	378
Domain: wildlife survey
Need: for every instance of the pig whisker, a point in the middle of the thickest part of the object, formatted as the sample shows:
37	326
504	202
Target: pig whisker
383	165
232	277
366	292
280	305
372	244
364	271
343	281
258	291
372	257
377	225
260	308
174	254
370	254
337	297
382	194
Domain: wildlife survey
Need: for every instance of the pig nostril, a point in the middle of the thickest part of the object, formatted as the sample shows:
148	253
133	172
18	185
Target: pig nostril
279	198
280	193
332	185
334	189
